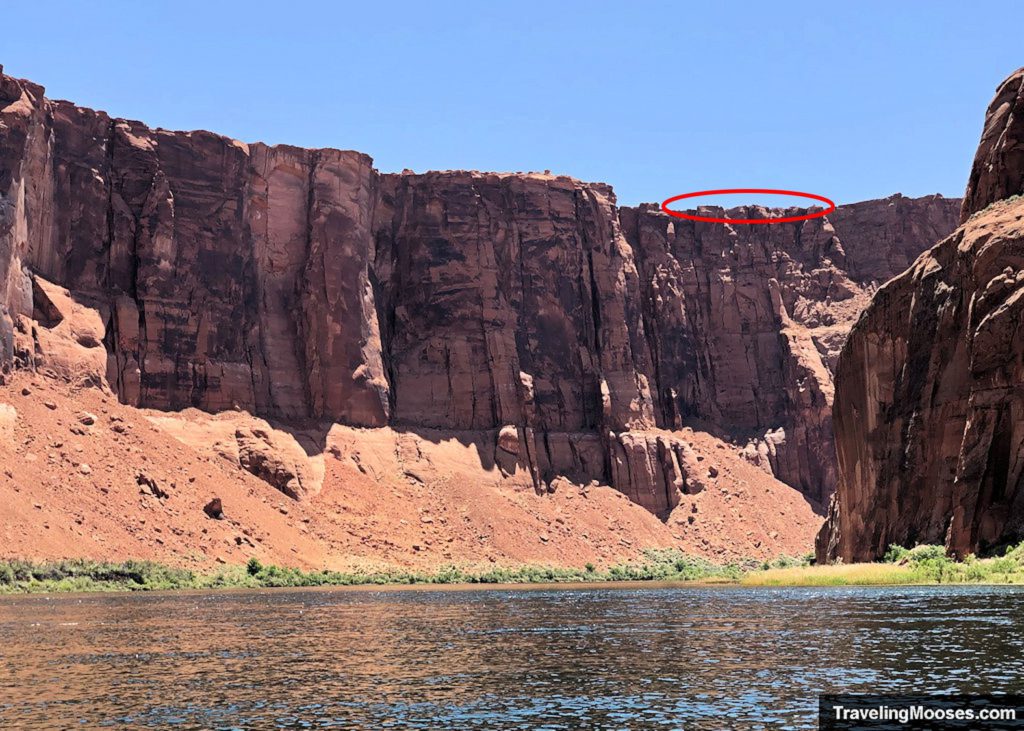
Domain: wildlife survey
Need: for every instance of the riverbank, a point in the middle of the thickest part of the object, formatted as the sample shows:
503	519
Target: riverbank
85	575
921	565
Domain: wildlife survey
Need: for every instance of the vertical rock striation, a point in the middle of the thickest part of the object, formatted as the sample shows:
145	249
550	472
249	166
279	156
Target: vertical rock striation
304	285
509	299
929	408
228	275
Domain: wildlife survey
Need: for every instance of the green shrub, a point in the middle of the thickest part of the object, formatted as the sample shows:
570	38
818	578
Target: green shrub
895	554
925	553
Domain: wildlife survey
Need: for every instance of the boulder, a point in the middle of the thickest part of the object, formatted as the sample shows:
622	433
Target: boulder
214	509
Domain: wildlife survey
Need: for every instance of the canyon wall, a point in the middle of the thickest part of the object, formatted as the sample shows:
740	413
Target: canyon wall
745	322
303	285
929	408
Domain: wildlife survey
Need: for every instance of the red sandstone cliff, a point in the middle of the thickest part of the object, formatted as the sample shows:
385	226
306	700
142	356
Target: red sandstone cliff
929	410
525	312
745	322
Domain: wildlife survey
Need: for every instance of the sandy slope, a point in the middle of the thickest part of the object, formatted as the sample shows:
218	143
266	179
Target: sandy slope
69	488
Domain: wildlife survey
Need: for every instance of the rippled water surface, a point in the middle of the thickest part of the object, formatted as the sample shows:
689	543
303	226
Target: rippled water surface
559	658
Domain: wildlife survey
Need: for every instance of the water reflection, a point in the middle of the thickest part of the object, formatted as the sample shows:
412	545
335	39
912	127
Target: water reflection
700	658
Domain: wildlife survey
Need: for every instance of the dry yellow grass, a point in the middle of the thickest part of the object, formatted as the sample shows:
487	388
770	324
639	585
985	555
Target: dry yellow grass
857	574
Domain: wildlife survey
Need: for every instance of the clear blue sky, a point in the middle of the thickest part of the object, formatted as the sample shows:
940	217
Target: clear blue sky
849	100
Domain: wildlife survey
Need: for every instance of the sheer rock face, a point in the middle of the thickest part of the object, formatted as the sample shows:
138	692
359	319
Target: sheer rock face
304	285
514	300
929	409
745	322
509	299
228	275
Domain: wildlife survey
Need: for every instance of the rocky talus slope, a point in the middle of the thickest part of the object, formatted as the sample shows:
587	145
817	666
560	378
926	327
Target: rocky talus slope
525	316
929	409
84	475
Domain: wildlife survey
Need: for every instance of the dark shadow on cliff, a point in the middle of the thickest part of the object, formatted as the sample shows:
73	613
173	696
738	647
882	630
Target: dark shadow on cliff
313	435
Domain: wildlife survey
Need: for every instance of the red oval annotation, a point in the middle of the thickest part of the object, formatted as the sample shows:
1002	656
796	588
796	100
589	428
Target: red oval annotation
770	191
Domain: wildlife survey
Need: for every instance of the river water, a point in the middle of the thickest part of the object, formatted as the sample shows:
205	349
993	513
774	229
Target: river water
551	658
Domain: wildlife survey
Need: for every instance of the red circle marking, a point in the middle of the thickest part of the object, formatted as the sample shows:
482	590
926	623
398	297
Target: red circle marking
772	191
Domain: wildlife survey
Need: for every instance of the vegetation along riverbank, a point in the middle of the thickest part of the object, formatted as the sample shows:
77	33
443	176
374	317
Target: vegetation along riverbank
921	565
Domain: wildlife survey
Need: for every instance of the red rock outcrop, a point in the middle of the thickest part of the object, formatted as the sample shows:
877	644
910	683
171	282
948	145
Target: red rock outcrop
513	300
510	299
998	169
525	310
929	409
